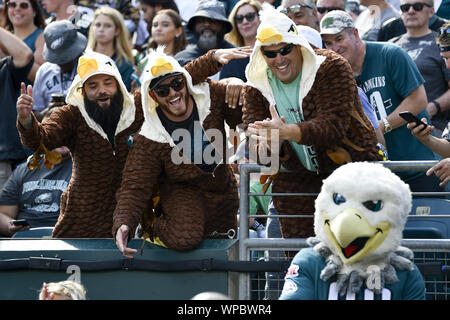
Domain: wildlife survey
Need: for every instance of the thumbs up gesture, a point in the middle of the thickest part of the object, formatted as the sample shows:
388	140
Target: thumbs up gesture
25	104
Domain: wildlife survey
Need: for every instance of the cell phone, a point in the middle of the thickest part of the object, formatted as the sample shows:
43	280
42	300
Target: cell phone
409	117
21	222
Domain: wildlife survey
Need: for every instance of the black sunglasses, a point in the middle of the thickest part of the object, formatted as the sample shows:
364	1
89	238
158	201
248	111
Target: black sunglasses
163	90
327	9
418	6
22	5
295	8
283	51
249	17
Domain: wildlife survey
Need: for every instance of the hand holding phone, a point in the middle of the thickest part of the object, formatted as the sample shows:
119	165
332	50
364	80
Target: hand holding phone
409	117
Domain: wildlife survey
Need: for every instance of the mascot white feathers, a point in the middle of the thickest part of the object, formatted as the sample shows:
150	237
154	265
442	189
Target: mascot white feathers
359	218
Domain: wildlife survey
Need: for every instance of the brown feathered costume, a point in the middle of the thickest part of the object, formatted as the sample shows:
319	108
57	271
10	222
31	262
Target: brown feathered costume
334	123
88	203
193	204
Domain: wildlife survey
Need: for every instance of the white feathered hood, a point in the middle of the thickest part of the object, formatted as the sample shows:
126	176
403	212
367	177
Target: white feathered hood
276	28
90	64
160	64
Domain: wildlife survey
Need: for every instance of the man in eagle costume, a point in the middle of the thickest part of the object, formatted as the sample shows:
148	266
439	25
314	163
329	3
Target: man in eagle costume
356	255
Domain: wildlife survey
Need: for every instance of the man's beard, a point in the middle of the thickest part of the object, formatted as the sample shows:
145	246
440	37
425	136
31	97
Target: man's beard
208	41
107	118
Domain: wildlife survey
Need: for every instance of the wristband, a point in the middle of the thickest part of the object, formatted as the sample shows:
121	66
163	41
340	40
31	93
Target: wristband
438	106
387	126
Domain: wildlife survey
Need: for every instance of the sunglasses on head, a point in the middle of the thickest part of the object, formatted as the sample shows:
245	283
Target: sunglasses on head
327	9
418	6
22	5
295	8
283	51
249	17
163	90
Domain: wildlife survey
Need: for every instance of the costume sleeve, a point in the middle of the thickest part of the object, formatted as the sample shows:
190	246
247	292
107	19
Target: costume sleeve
138	179
54	132
256	108
203	67
233	117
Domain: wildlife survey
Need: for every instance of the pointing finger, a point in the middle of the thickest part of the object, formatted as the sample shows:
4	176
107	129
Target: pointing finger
22	88
30	90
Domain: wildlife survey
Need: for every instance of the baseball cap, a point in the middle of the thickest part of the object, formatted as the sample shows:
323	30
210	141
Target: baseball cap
156	81
335	21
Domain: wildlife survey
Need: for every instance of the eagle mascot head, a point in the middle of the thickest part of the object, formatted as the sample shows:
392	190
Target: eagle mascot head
359	219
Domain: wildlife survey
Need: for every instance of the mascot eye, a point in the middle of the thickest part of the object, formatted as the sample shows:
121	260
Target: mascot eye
338	198
373	205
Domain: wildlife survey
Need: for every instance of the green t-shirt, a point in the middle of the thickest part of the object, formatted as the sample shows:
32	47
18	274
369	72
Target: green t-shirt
286	97
259	203
389	75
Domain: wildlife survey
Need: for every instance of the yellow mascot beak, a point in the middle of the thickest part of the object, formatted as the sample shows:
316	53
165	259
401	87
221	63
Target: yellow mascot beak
352	235
269	35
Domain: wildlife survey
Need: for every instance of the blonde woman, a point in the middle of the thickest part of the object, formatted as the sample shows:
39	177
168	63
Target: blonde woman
245	20
108	35
63	290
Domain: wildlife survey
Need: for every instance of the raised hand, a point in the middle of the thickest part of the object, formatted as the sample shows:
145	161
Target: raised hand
224	56
25	104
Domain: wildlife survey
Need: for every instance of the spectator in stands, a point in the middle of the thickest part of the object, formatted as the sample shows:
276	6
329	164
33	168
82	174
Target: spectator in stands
63	45
67	10
13	70
370	21
315	97
420	43
63	290
109	36
25	19
439	145
394	27
353	7
388	92
95	125
209	25
168	31
34	195
195	186
302	12
149	8
245	20
130	12
324	6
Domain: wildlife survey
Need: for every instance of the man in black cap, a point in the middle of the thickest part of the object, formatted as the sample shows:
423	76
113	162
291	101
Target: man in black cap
63	46
209	24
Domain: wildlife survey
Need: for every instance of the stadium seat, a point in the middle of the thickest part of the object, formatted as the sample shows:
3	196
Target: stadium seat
427	226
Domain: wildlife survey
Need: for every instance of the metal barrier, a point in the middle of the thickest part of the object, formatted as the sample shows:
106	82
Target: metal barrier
426	250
